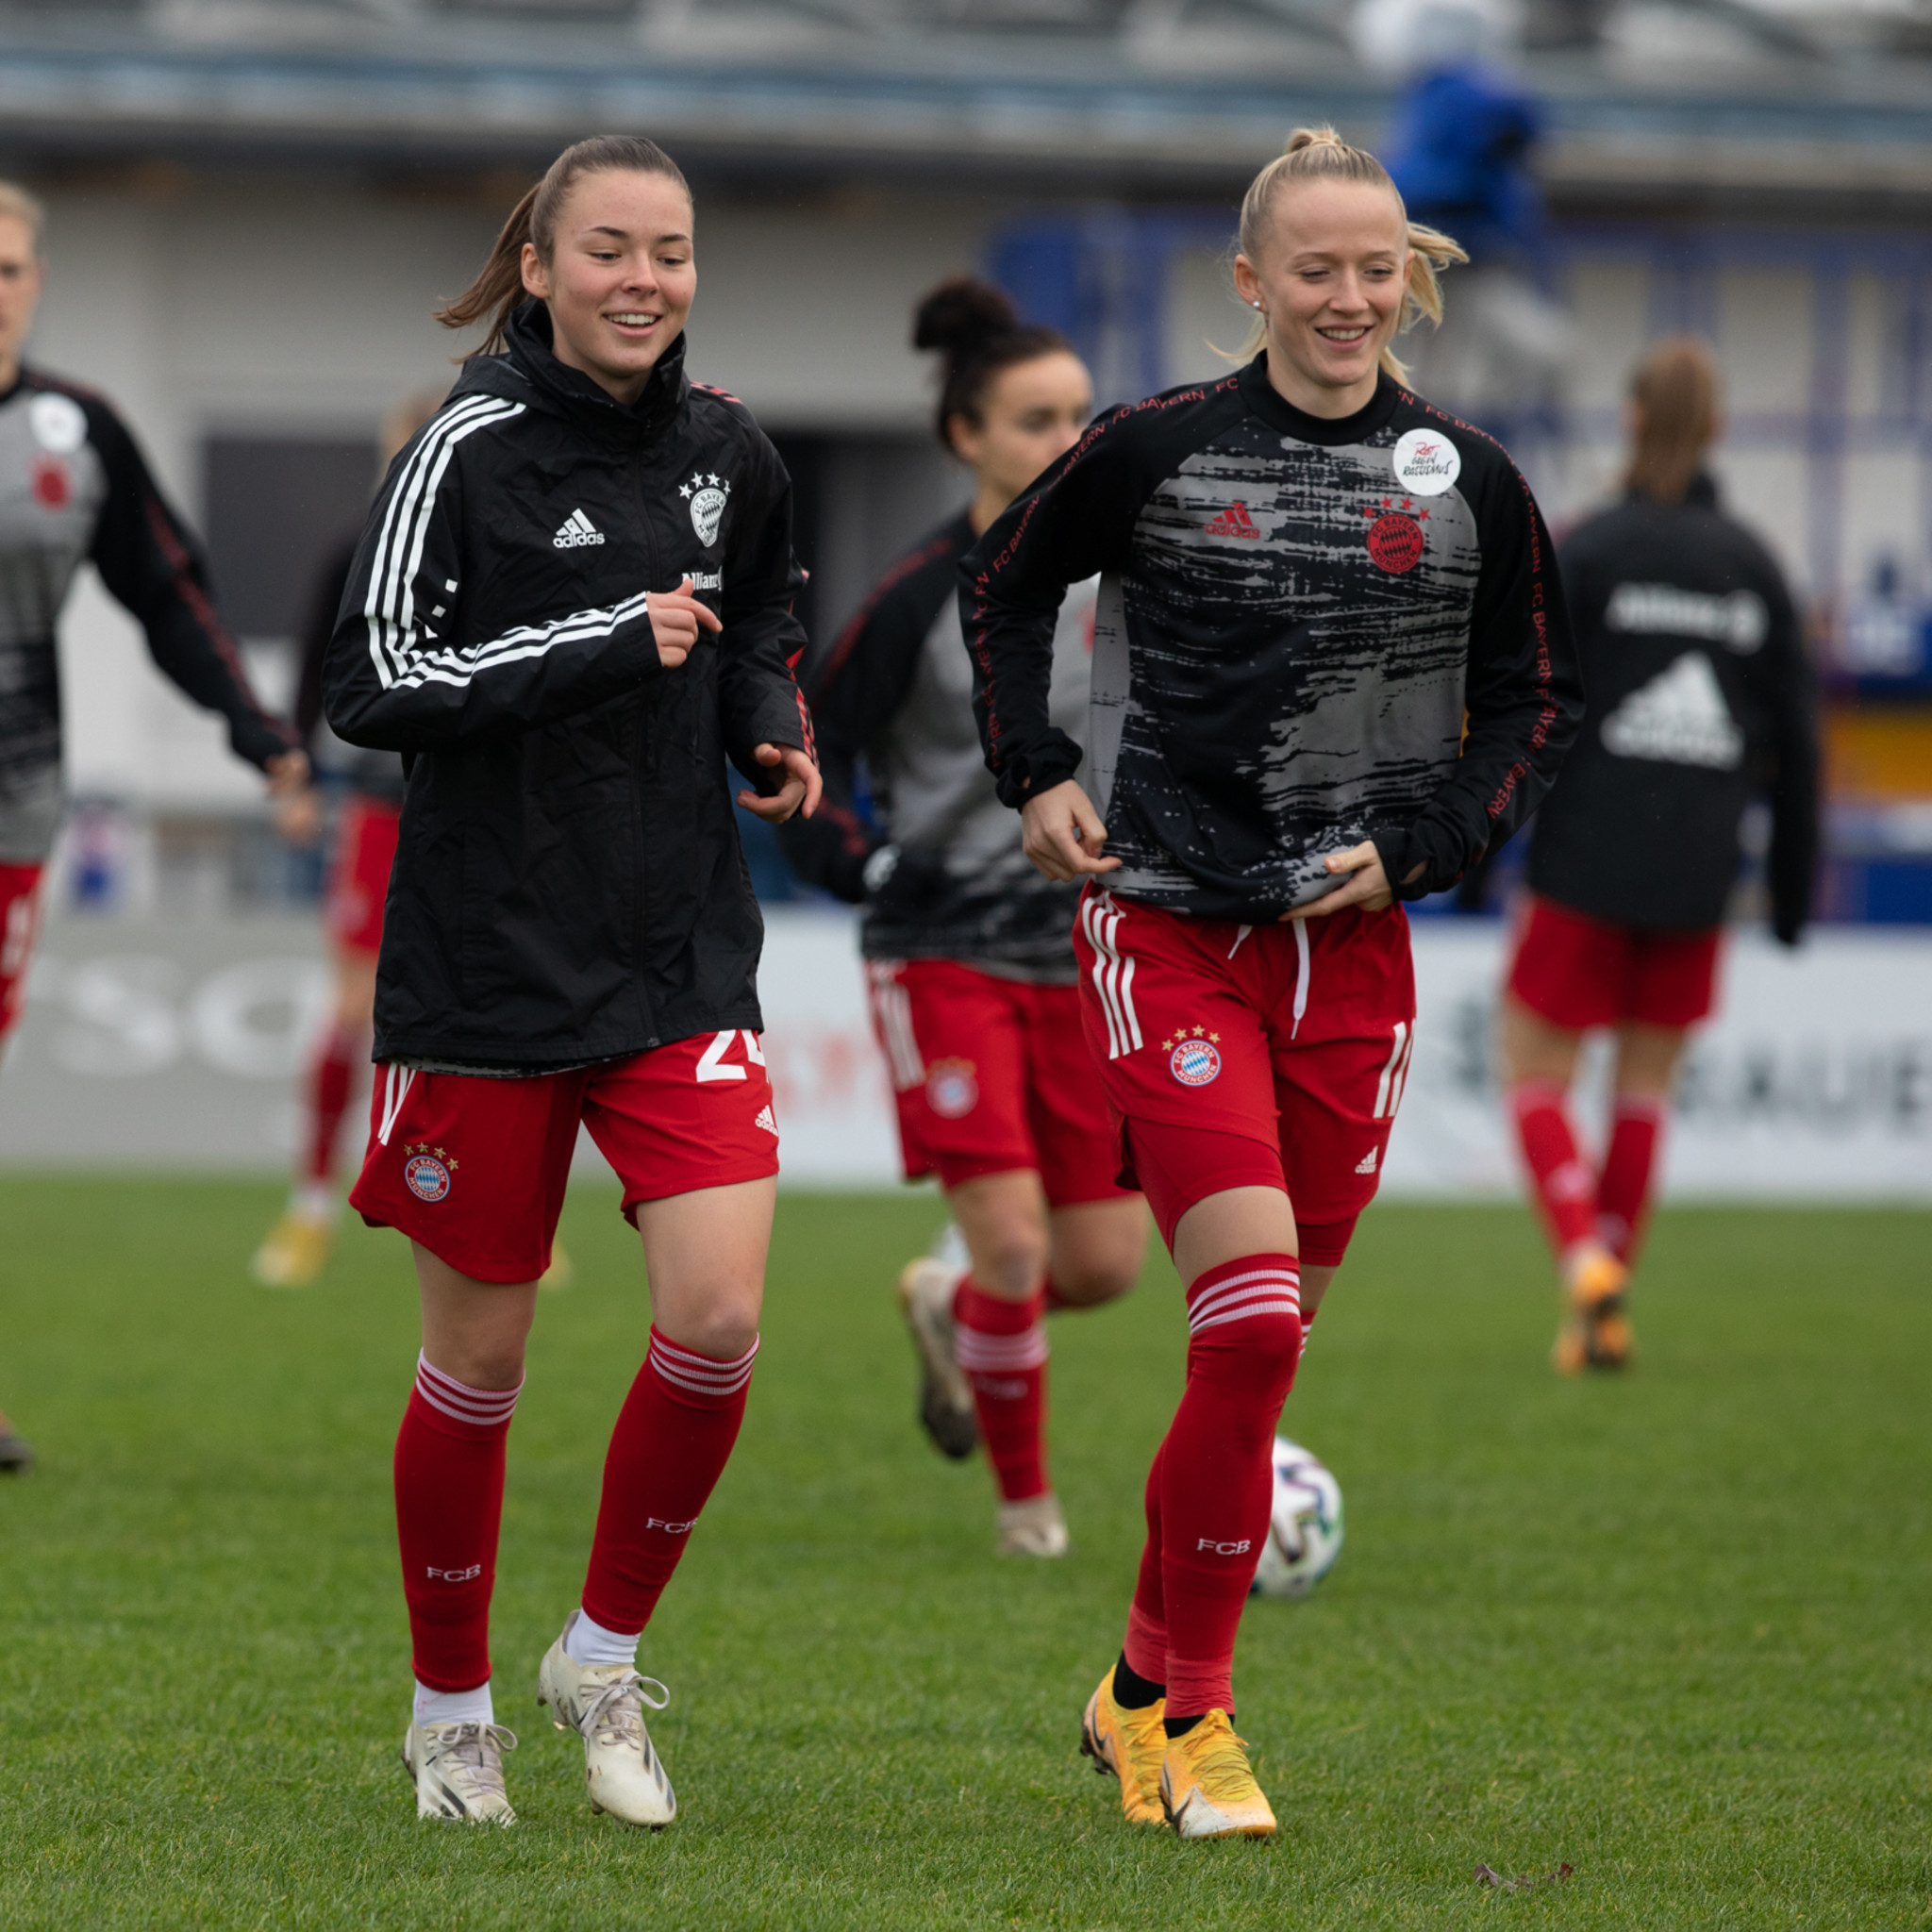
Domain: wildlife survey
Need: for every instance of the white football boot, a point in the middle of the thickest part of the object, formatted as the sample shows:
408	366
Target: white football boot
1033	1528
458	1771
925	1290
605	1704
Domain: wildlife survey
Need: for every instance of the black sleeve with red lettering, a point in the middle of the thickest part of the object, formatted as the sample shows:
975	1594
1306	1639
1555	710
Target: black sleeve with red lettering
153	566
1522	697
854	693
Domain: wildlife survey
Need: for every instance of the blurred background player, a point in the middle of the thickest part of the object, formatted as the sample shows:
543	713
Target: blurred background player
1329	669
74	489
1700	699
571	605
969	949
369	789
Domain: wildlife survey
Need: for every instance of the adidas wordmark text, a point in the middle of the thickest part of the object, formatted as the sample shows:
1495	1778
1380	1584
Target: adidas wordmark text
576	531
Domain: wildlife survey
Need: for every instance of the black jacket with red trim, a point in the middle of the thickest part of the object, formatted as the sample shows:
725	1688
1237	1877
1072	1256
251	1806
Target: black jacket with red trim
1701	698
569	885
74	489
895	691
1310	632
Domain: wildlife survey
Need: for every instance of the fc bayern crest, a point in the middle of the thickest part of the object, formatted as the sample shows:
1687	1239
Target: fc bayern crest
1195	1062
425	1177
951	1090
708	495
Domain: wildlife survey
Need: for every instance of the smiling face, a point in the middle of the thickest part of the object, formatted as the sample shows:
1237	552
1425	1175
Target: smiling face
621	276
1031	415
20	291
1329	281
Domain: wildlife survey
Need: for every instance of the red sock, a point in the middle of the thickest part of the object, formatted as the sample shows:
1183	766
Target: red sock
449	1503
1145	1647
1216	1481
1565	1188
1003	1354
1622	1190
673	1438
331	1075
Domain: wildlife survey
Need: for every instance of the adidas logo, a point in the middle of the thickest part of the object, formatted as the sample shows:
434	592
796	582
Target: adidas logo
1678	718
576	531
1367	1163
1234	522
766	1121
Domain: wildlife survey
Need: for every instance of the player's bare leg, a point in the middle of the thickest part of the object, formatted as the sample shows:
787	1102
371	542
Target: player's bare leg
1538	1065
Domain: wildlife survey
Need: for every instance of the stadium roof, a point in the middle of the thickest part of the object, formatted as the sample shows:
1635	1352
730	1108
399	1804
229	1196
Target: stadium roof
1771	102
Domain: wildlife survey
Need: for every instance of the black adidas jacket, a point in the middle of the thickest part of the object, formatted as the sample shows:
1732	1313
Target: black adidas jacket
1700	699
1310	632
569	885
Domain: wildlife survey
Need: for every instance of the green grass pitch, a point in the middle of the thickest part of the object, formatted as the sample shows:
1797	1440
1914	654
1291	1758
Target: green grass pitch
1671	1630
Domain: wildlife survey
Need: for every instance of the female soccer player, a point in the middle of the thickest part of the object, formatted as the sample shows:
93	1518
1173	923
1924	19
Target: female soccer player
1699	698
73	489
363	850
968	950
572	603
1330	666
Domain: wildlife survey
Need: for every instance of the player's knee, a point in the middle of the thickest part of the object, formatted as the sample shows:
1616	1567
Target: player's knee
723	1327
1009	1261
1088	1281
481	1362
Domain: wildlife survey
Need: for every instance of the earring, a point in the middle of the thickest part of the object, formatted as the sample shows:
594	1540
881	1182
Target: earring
1253	305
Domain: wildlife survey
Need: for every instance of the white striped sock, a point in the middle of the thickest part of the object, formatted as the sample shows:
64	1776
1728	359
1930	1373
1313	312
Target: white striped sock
485	1407
700	1374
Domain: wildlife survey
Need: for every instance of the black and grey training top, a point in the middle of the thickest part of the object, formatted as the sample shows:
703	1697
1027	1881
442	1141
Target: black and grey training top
73	489
896	690
1310	633
1700	698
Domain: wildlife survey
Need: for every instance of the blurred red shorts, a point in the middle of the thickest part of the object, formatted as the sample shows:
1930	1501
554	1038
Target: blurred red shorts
1579	972
358	873
993	1075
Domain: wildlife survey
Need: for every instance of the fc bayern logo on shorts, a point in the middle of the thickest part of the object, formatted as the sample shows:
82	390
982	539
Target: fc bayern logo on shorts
1195	1062
426	1177
951	1090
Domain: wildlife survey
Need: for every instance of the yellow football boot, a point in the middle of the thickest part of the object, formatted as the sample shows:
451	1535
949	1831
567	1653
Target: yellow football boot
560	1273
1206	1786
1128	1745
1596	1332
295	1251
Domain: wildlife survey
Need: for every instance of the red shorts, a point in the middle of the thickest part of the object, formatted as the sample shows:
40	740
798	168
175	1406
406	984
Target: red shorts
1277	1054
358	873
20	925
1578	972
992	1075
475	1169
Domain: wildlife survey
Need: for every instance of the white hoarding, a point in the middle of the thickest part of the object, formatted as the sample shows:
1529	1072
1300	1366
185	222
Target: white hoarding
149	1042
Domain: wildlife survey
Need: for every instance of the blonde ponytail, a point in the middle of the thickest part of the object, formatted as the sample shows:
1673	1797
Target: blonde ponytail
1675	398
1318	154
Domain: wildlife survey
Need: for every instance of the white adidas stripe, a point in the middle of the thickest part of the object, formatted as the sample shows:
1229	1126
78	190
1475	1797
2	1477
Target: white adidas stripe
461	1402
700	1373
1260	1292
526	640
892	1005
396	1090
1112	975
992	1354
389	605
1388	1088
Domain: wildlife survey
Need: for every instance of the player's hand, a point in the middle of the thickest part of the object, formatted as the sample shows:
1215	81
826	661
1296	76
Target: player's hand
288	772
298	816
1368	888
799	792
1061	833
677	620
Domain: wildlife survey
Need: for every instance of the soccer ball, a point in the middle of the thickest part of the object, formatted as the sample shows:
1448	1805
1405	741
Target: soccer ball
1304	1527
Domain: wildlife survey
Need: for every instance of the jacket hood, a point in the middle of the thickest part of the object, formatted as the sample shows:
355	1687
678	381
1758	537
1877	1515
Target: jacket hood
529	363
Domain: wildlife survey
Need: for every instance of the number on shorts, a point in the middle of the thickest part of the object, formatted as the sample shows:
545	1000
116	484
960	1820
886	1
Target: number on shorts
713	1065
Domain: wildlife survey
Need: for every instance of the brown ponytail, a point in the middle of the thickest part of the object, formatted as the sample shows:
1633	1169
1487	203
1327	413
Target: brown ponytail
1673	398
497	292
1318	154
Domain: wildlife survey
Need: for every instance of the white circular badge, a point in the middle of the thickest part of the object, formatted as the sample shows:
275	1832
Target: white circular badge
1427	462
59	423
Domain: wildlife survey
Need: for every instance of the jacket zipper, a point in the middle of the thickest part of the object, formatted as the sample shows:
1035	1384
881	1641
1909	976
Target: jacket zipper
645	762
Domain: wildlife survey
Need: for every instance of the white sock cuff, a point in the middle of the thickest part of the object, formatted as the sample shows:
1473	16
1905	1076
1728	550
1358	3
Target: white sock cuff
701	1374
485	1407
454	1706
586	1642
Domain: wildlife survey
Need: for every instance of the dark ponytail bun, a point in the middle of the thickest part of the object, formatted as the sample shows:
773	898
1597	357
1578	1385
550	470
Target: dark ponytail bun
977	331
961	316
